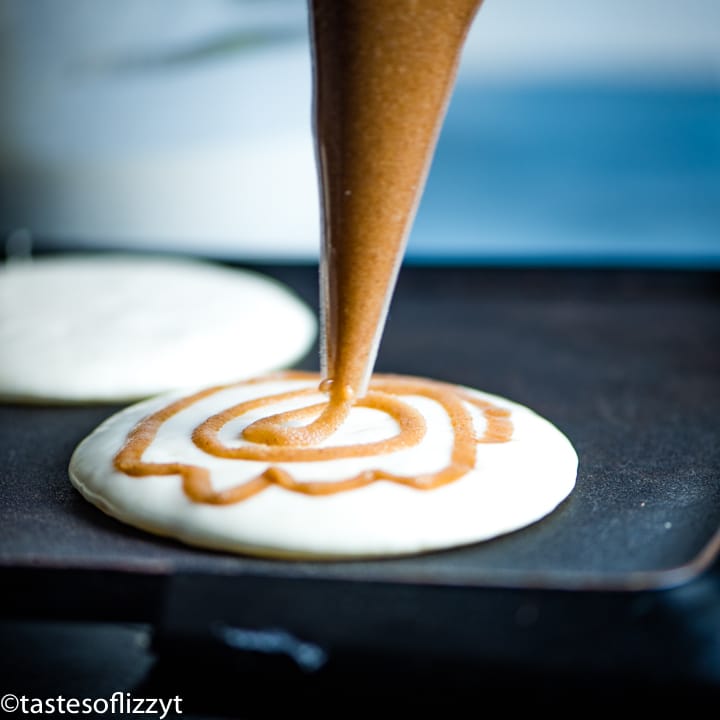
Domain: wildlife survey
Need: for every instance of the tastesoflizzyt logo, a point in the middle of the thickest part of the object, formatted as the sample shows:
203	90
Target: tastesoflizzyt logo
119	703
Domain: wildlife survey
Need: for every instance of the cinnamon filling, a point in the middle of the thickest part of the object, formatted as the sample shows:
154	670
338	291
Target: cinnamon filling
385	395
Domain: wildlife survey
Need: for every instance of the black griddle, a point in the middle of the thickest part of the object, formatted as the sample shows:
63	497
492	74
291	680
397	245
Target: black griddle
625	362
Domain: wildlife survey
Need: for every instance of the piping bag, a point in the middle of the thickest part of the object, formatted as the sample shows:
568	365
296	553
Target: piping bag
383	76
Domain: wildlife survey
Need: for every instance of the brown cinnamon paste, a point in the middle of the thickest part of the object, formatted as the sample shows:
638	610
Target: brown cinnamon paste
384	70
385	395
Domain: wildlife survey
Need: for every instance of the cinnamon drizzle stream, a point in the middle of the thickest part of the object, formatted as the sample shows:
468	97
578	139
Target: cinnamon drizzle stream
385	393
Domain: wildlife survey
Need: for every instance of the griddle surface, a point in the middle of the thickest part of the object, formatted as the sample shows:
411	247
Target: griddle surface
624	362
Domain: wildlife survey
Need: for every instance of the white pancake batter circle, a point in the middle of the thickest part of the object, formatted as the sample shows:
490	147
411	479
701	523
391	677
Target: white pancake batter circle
512	484
81	328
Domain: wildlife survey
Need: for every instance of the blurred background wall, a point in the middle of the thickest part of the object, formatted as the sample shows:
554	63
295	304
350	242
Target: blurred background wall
580	132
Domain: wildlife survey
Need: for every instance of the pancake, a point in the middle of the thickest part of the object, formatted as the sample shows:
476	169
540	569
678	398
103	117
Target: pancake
418	465
119	327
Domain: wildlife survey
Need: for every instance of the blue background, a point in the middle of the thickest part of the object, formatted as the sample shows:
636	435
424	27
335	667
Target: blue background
575	173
